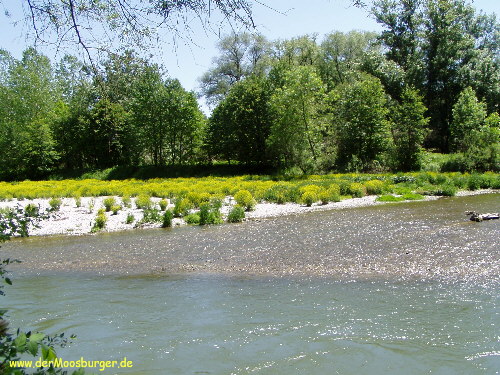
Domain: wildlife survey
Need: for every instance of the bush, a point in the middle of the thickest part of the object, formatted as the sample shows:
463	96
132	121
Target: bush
55	204
210	214
100	221
182	207
375	187
193	218
143	202
163	204
78	201
309	197
127	202
446	190
357	190
151	215
31	210
332	194
167	219
244	199
115	208
108	203
236	215
130	218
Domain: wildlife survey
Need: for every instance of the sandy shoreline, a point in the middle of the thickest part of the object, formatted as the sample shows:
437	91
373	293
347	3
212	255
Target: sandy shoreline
73	220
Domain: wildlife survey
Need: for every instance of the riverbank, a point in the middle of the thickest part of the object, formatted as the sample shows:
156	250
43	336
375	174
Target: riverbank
77	217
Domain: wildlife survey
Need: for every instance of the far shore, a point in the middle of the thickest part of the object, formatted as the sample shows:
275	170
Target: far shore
73	220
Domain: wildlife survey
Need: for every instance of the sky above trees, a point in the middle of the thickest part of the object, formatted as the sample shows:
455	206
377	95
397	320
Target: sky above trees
188	61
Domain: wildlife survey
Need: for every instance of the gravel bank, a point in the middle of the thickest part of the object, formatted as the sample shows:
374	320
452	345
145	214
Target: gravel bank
73	220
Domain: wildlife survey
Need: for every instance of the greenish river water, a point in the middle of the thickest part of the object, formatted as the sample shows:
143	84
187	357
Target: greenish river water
392	289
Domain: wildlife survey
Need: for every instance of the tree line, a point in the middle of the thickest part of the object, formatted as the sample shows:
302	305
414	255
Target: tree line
356	101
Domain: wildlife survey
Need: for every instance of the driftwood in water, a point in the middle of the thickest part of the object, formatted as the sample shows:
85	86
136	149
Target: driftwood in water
474	216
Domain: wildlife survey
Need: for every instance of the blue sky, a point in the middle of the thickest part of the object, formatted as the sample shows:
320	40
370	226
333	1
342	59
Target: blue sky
188	62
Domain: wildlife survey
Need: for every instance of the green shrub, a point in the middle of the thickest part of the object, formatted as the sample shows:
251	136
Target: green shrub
115	208
130	218
55	204
244	199
108	203
163	204
357	190
78	201
332	194
375	187
100	221
167	219
309	197
143	202
194	198
193	218
236	215
151	215
127	202
182	207
210	214
446	190
31	210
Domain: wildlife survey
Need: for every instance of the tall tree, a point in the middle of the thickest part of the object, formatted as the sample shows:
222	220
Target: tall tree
241	55
28	97
408	130
344	53
299	119
468	117
240	124
363	130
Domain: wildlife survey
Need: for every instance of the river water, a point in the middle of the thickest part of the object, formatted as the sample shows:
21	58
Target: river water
399	288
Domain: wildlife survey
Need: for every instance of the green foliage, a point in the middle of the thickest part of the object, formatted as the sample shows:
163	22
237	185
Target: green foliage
31	210
468	117
127	202
299	119
375	187
182	207
144	202
244	199
363	130
193	219
357	190
163	204
100	221
108	203
78	201
210	214
240	124
115	208
151	215
167	218
55	204
236	215
332	194
409	130
309	197
130	218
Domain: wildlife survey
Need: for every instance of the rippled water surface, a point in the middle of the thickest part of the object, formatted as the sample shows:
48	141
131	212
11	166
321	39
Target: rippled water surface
405	288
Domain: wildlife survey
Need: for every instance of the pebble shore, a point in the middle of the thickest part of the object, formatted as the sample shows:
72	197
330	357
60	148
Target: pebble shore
73	220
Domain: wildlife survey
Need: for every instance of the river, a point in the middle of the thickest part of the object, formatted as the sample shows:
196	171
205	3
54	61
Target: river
399	288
